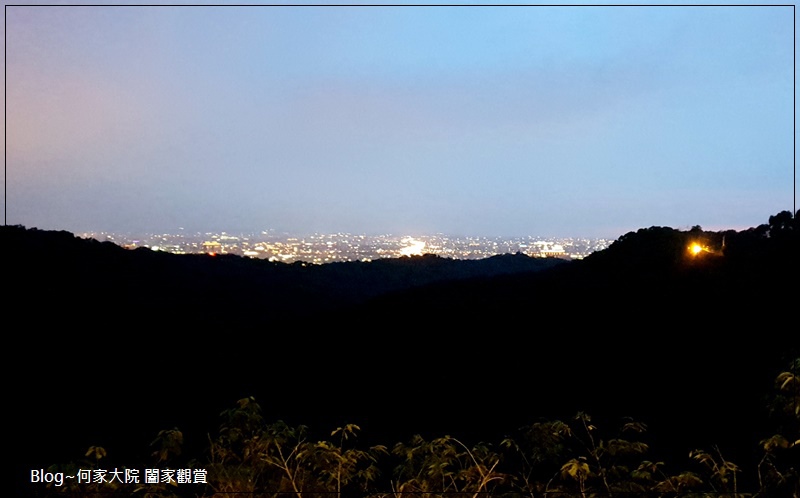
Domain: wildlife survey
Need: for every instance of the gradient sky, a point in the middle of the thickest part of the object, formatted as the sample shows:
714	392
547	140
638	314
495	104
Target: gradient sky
507	121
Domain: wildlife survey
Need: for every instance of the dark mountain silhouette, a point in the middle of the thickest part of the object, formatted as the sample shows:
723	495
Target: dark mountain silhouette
110	345
223	287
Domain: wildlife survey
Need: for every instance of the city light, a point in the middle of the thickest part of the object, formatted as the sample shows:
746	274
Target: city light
337	247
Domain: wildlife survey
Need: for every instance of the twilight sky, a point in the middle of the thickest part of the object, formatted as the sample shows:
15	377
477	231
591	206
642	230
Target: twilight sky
548	121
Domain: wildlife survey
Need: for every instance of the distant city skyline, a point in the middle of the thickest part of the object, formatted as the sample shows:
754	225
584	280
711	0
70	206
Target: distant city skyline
568	121
328	248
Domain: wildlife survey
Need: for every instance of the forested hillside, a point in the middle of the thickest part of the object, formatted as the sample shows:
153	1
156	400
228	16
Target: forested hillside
113	346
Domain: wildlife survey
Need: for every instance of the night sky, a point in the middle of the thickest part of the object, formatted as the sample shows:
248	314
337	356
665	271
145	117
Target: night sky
484	121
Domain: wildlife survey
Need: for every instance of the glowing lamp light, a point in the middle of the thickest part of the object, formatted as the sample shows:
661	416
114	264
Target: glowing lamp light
695	249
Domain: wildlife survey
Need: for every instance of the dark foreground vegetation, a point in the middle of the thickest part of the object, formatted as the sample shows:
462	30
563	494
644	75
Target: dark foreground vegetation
249	456
441	376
